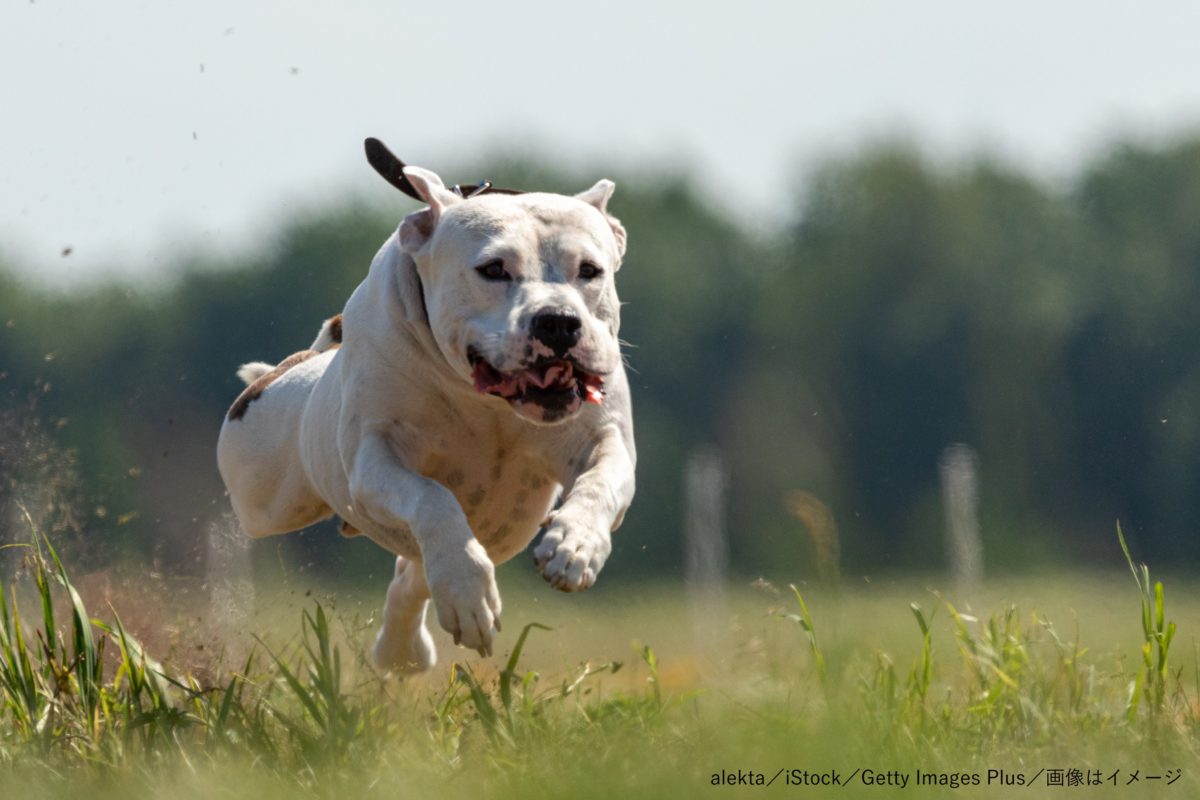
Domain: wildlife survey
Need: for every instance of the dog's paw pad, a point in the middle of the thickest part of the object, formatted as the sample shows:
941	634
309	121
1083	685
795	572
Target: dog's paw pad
570	563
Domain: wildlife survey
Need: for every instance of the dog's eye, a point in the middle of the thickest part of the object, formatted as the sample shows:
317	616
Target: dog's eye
494	271
588	270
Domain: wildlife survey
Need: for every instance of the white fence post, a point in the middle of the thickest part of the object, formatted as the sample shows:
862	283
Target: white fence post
959	468
706	550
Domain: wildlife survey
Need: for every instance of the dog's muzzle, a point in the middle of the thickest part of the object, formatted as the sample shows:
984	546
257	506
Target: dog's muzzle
548	390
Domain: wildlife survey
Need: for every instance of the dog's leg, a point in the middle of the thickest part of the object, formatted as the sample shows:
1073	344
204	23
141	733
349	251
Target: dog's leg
578	538
458	572
404	644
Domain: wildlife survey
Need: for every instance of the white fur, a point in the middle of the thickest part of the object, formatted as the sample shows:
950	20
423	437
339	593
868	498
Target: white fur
324	339
388	432
251	372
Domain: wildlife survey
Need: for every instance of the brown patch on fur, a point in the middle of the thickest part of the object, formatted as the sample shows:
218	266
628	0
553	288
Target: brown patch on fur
335	328
349	530
476	497
255	390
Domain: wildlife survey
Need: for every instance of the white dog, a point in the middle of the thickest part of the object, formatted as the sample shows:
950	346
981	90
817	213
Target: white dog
473	378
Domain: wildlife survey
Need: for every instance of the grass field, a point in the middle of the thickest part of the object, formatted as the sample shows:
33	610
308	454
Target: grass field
647	692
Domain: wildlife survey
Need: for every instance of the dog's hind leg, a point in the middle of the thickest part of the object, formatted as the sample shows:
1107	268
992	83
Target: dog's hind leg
404	644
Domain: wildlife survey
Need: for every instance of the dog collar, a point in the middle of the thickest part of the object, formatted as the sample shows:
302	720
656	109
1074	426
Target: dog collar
391	169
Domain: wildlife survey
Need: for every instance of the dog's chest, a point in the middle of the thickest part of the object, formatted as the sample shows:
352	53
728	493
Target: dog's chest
505	492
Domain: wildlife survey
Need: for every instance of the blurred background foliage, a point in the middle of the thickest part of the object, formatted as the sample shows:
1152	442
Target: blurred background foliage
906	305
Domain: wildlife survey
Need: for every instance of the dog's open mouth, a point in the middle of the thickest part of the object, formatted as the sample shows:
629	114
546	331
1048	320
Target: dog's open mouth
554	384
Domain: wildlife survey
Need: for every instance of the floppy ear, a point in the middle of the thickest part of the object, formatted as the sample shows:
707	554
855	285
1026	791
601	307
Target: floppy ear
418	226
598	197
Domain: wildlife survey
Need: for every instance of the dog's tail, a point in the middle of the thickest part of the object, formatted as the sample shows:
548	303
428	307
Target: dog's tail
251	372
330	335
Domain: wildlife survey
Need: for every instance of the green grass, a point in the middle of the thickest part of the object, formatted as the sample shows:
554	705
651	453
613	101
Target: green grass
609	693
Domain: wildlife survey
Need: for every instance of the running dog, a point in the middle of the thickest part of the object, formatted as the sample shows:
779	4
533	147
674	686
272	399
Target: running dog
473	381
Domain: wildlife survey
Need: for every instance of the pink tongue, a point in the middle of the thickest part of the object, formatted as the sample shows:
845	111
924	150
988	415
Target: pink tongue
490	381
593	389
553	374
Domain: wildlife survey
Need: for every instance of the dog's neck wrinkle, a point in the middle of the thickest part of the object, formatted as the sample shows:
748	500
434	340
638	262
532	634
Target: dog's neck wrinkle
419	330
421	296
410	313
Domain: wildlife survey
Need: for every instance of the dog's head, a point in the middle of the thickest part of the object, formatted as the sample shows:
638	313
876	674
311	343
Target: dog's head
519	291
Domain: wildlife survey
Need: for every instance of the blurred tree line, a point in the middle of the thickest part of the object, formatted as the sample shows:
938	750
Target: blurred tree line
906	306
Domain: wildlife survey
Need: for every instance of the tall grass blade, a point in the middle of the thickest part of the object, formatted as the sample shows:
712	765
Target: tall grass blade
810	631
508	675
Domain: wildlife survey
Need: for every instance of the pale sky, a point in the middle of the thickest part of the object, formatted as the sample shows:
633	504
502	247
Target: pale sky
127	127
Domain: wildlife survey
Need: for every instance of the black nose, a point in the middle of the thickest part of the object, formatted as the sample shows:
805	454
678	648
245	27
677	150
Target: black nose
558	330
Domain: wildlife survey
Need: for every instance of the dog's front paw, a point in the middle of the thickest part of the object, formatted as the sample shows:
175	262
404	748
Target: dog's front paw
571	554
463	587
